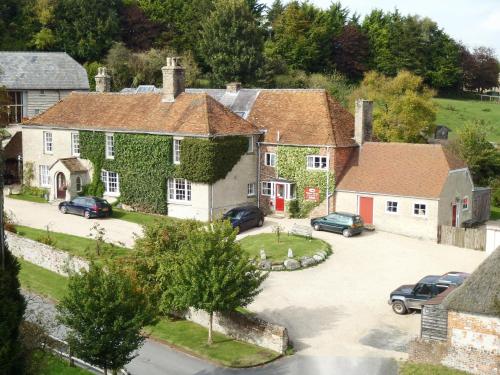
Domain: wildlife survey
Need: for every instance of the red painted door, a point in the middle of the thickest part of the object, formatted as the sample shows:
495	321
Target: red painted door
454	215
280	197
366	209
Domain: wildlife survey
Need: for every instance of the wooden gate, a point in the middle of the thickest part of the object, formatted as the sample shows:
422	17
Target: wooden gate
434	323
470	238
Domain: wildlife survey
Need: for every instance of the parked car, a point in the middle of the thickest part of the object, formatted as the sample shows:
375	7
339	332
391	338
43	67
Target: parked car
245	217
414	296
87	207
339	222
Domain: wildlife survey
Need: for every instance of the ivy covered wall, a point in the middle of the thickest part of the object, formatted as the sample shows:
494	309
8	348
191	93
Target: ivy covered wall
292	165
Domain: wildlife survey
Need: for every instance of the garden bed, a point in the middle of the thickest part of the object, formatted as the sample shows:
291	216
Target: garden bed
306	252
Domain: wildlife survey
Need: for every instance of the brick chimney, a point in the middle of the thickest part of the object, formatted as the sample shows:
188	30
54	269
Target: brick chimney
173	79
102	80
233	87
363	121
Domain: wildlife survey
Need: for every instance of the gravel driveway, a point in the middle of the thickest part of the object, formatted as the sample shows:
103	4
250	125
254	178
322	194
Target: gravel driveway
339	308
38	215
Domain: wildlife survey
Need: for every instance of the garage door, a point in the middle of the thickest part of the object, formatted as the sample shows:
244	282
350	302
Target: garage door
366	209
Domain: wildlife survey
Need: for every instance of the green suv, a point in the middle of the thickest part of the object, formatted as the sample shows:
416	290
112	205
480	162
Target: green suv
339	222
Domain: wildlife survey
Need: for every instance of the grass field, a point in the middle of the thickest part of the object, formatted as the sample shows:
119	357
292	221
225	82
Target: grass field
41	281
275	251
409	368
454	113
138	217
29	198
57	366
495	213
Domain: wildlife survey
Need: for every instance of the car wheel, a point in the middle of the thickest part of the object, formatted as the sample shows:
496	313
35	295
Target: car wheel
399	307
346	233
261	222
86	215
63	209
317	227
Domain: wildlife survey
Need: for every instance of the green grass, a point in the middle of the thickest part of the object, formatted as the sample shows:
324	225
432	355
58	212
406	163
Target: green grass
495	213
409	368
275	251
454	113
138	217
225	351
53	365
75	245
27	197
42	281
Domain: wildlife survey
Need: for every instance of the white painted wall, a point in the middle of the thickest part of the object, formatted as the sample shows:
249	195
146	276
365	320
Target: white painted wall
492	236
197	209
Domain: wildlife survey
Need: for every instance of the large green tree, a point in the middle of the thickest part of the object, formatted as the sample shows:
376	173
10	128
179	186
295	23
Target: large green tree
403	107
215	275
231	42
105	312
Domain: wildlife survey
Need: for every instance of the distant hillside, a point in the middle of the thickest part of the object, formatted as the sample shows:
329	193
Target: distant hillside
455	112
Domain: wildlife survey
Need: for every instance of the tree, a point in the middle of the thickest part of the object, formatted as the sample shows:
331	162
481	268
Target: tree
215	274
118	61
275	10
403	107
44	39
351	52
136	30
480	68
231	42
106	313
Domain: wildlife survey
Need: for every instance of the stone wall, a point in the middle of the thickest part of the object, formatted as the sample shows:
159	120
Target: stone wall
245	328
427	351
44	256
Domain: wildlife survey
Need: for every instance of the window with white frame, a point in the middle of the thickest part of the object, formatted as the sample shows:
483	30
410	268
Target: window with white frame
78	183
75	144
316	162
251	189
391	207
111	182
270	159
465	203
268	188
110	146
47	143
16	107
177	151
44	175
419	209
250	144
179	189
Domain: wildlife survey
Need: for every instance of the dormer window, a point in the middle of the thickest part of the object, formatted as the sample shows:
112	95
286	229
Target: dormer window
177	151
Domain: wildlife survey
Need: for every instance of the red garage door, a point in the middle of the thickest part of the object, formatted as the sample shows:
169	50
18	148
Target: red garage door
366	209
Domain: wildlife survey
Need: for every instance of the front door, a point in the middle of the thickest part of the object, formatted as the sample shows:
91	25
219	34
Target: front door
366	209
280	197
454	215
61	186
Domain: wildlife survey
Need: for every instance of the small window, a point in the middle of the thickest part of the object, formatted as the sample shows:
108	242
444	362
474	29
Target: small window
44	176
316	162
75	144
47	143
111	182
250	144
270	159
42	92
267	189
177	151
391	207
465	203
419	209
251	189
78	183
179	189
110	146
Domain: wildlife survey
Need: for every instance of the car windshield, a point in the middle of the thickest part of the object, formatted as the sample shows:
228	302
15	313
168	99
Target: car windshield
234	214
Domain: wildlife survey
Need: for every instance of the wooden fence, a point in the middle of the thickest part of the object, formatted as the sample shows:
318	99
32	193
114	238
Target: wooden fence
434	323
470	238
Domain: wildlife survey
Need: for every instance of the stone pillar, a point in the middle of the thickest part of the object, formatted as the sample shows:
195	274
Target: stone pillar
102	80
363	121
173	79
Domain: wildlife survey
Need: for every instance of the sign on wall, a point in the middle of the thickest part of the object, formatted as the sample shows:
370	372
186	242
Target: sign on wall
311	194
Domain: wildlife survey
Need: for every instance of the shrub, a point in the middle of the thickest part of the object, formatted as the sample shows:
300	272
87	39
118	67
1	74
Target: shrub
34	191
294	209
47	238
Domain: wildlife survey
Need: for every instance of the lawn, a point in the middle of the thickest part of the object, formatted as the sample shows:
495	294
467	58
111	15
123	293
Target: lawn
42	281
75	245
409	368
54	365
225	351
495	213
454	113
27	197
138	217
301	246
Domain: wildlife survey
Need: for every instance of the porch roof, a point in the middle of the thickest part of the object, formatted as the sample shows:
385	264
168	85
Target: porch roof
72	164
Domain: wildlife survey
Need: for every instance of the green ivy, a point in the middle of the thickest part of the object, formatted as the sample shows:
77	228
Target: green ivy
292	165
210	160
92	147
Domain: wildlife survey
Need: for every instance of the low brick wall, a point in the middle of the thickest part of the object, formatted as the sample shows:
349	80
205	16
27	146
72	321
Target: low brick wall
45	256
245	328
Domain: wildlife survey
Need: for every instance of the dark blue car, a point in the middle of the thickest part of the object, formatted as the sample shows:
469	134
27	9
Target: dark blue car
87	207
245	217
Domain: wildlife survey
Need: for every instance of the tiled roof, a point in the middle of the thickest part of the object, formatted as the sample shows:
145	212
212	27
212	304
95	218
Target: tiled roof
302	117
41	71
190	114
72	164
414	170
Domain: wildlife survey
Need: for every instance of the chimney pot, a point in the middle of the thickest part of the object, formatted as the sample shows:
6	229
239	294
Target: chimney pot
102	80
173	79
363	121
233	87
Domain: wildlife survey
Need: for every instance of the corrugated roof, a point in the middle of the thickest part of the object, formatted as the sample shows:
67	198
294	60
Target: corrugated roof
404	169
42	71
190	114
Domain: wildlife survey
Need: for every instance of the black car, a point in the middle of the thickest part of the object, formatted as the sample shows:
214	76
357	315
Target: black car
339	222
245	217
413	296
87	207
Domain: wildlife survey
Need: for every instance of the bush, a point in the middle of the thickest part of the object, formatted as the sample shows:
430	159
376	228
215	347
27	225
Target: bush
495	192
294	209
34	191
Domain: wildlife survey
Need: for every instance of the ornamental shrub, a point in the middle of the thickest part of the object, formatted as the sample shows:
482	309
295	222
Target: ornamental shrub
293	208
